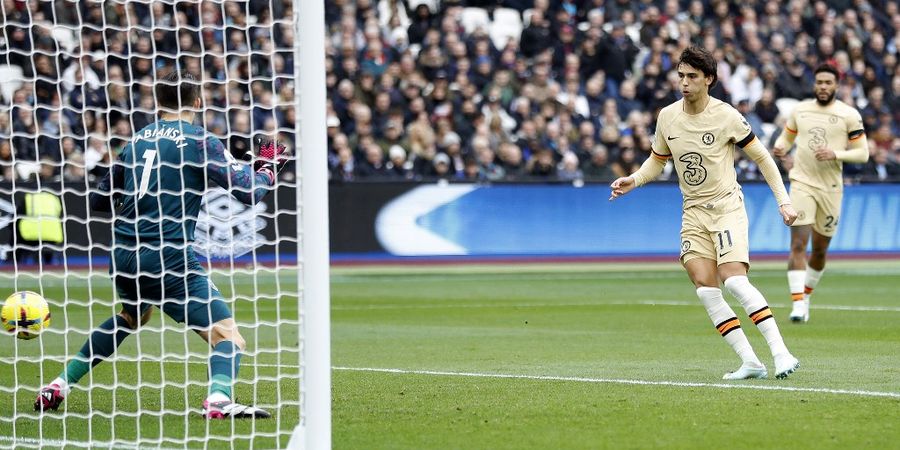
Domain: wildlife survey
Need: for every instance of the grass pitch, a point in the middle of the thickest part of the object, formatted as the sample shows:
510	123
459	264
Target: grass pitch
566	356
529	356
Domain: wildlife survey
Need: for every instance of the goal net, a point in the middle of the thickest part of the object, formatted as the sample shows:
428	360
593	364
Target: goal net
77	82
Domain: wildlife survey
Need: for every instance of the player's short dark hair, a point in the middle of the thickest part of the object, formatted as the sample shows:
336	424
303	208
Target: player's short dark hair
828	68
702	60
177	90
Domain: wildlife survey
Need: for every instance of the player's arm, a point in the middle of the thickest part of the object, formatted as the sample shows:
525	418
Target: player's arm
649	170
237	177
760	155
857	148
106	197
786	139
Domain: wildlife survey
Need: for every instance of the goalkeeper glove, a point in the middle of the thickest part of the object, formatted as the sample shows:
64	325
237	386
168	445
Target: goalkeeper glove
271	158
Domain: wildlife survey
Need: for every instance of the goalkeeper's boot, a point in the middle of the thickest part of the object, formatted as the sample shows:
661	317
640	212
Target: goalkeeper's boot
785	364
227	409
50	397
800	311
747	371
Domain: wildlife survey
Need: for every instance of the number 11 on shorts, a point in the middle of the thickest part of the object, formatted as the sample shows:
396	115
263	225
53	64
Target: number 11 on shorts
724	236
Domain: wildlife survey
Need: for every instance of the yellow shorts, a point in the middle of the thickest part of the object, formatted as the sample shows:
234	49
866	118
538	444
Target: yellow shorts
821	209
718	232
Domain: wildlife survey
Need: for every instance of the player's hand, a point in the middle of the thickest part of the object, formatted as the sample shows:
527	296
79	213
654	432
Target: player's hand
621	187
825	154
270	158
779	151
788	214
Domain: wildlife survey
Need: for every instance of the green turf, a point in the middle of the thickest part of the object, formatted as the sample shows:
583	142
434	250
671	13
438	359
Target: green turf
600	325
598	322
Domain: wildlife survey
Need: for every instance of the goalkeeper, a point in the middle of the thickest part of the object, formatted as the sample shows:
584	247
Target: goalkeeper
156	188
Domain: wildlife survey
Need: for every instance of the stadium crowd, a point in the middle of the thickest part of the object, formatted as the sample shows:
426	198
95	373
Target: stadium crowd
77	78
421	89
564	90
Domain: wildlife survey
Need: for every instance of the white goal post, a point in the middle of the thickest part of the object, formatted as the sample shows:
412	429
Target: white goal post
76	84
315	425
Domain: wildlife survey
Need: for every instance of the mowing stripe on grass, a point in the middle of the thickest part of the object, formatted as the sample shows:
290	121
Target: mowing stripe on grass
622	381
855	308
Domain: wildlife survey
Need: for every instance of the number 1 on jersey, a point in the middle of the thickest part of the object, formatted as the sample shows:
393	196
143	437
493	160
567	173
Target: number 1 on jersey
149	157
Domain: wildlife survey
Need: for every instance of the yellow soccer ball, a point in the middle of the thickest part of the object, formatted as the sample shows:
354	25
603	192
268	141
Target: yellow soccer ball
25	314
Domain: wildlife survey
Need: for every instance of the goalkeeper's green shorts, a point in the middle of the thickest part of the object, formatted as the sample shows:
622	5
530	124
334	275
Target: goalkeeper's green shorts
169	278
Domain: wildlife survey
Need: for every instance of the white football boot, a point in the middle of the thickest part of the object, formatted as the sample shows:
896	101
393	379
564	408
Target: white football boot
785	364
800	311
747	371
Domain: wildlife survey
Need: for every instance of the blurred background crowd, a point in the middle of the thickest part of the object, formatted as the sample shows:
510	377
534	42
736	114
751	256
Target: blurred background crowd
479	90
565	90
76	78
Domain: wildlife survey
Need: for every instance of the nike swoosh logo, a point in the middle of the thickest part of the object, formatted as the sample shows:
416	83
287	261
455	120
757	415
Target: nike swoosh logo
723	254
670	138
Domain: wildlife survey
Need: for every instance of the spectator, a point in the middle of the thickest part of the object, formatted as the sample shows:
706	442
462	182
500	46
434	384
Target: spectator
510	159
6	161
397	166
343	169
441	167
880	167
542	165
536	37
568	168
626	164
373	166
597	167
765	108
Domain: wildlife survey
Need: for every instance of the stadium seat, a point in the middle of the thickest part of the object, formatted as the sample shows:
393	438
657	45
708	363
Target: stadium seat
25	169
431	4
65	38
507	24
472	18
10	80
768	129
526	16
785	106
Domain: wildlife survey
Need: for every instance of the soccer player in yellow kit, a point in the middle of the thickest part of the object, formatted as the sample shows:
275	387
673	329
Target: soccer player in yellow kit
700	133
828	132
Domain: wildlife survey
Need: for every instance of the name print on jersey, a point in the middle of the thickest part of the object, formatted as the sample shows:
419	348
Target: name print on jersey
162	132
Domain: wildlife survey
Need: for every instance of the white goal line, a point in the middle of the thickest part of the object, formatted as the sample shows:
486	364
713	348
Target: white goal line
625	381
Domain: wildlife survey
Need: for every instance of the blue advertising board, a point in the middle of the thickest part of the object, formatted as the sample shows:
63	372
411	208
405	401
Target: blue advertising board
568	220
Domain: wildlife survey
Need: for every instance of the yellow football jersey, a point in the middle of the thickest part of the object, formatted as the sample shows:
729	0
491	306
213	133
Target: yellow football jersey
817	127
702	147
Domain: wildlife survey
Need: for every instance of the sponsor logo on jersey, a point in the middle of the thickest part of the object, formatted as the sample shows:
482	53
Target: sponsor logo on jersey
227	228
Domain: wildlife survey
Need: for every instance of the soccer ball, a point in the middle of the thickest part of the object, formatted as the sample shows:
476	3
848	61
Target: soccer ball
26	314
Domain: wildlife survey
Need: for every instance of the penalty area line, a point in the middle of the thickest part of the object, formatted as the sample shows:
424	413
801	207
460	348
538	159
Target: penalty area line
598	304
860	393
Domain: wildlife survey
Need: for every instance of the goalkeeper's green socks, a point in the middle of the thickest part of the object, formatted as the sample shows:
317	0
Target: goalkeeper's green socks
223	369
102	343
